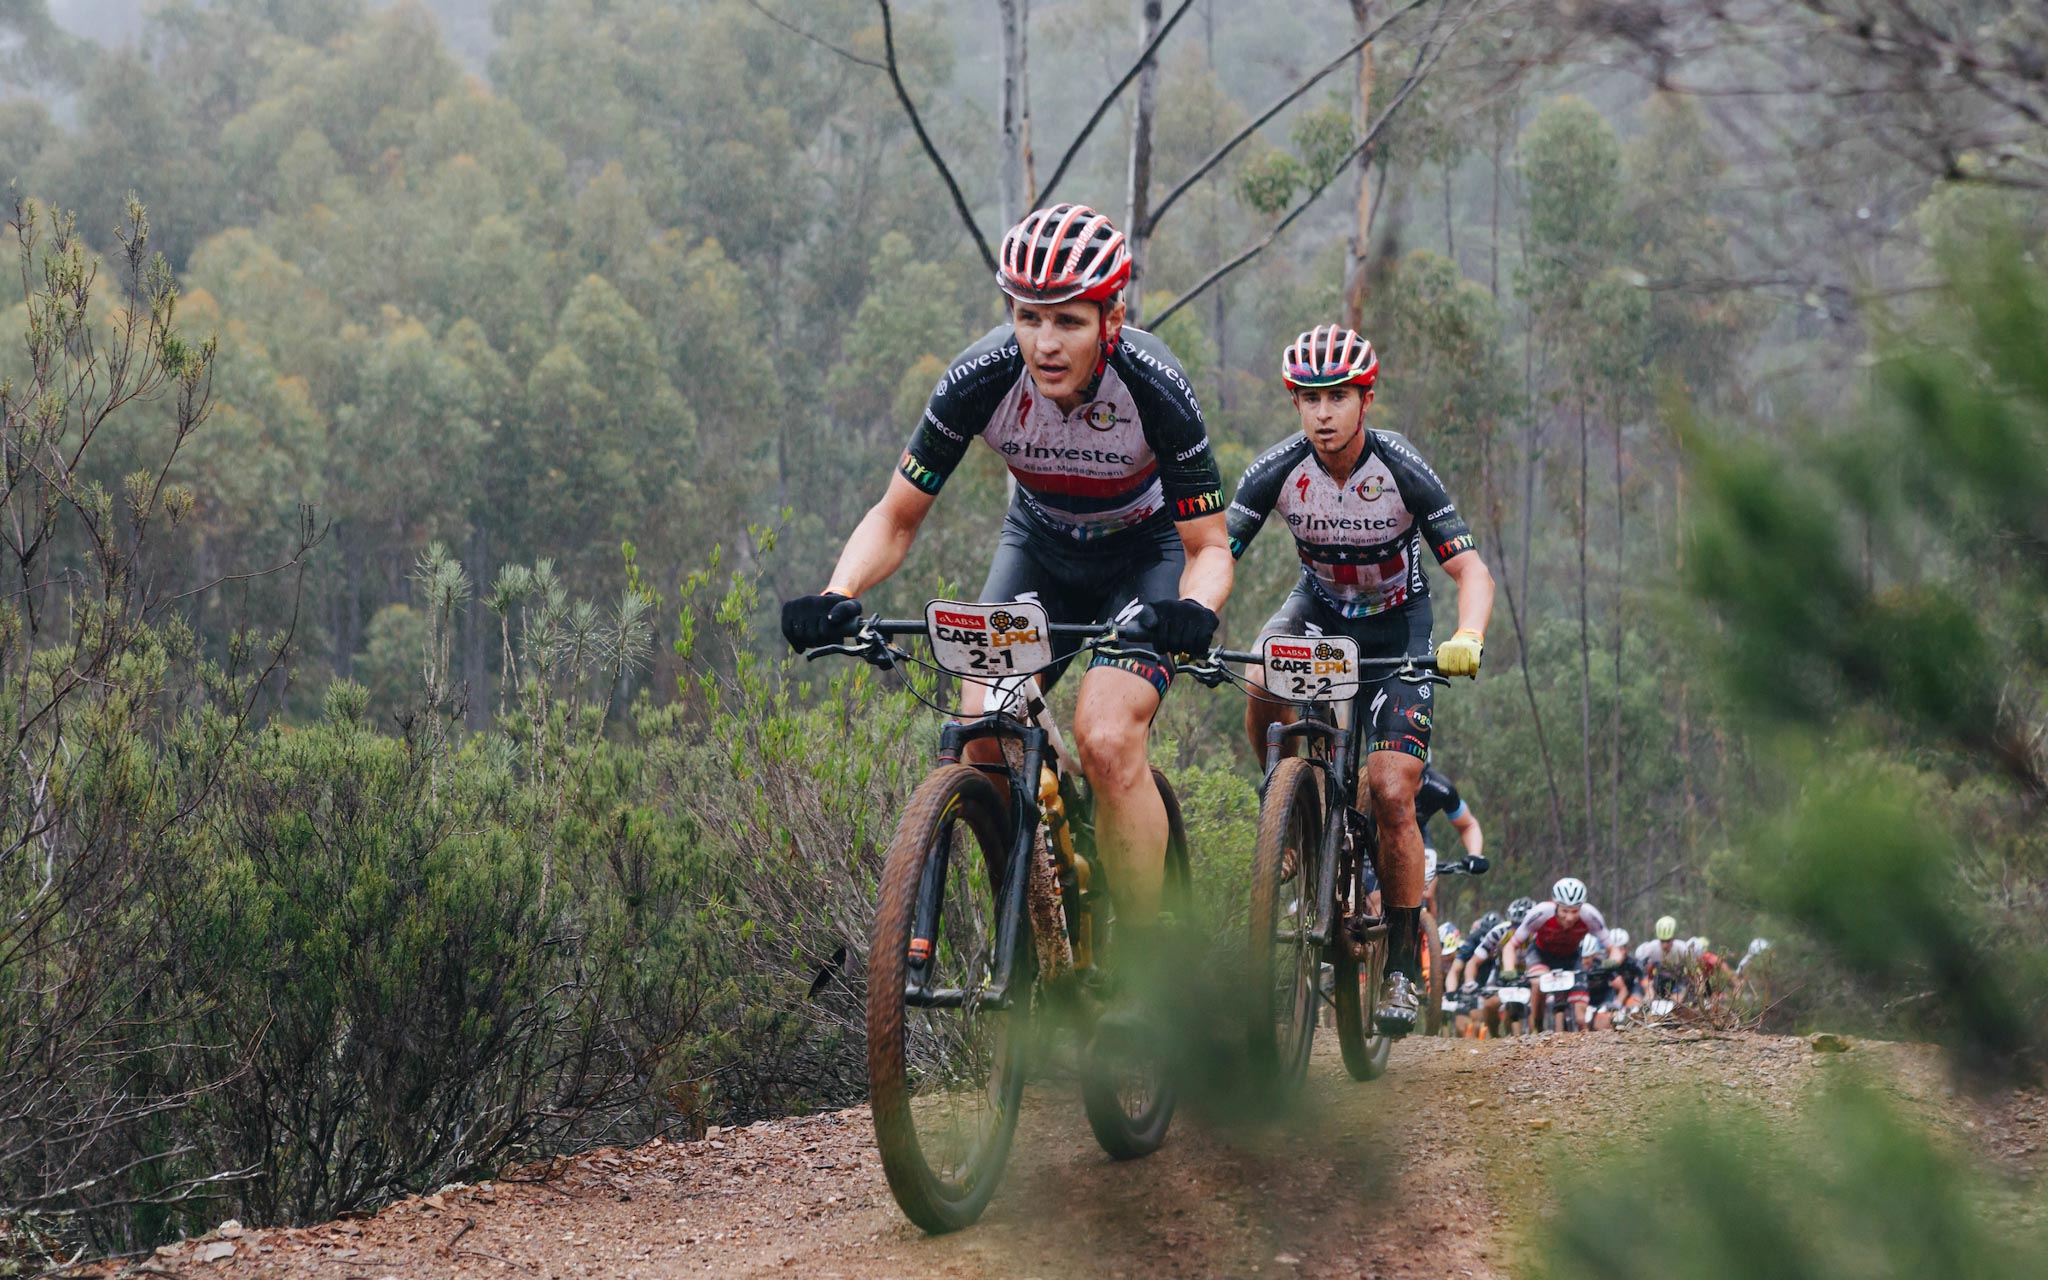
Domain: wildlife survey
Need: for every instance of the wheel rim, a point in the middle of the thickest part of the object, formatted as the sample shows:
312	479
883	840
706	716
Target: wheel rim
956	1059
1294	967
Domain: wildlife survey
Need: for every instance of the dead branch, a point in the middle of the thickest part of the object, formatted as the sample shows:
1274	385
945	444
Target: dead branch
1109	99
924	139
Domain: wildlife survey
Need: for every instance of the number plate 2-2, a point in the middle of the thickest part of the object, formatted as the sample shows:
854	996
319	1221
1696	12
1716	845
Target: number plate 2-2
1311	668
989	641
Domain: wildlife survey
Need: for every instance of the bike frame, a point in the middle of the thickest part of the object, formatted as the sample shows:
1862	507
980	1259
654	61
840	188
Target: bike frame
1041	749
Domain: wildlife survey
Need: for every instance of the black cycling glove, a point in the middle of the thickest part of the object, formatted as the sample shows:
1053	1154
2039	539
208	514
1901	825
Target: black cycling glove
810	621
1177	626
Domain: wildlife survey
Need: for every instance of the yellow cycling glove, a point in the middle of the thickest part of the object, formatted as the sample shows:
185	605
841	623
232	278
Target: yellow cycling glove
1459	655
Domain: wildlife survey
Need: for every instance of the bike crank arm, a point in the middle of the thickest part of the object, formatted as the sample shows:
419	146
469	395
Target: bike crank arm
996	997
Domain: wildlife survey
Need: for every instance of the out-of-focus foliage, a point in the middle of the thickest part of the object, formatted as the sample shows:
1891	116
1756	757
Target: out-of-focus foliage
1857	1188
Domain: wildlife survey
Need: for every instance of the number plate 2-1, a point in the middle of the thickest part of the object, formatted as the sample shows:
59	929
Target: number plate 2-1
1311	668
989	641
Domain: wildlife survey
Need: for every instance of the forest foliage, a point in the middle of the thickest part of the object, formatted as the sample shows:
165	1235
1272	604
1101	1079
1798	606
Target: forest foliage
403	774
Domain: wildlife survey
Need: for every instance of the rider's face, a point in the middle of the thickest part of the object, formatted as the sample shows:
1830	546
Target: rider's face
1567	914
1061	342
1331	416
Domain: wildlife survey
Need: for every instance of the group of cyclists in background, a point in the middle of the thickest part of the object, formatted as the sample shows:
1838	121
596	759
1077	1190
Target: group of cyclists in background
1494	969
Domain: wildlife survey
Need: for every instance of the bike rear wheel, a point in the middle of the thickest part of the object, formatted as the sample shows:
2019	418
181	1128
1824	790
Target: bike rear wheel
1433	976
1358	985
1283	968
1128	1089
945	1082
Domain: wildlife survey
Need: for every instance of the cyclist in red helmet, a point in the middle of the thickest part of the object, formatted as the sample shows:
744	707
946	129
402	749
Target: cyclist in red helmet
1117	514
1360	504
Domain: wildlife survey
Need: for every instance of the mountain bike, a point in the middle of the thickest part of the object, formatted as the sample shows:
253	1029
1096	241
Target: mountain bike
1316	865
993	905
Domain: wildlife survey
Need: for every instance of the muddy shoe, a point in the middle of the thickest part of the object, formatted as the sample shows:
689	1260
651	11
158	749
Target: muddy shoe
1396	1014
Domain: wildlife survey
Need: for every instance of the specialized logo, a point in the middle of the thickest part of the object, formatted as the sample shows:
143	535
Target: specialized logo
1102	415
1300	490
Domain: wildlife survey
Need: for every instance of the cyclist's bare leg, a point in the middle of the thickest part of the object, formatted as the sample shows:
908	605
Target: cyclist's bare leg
1393	777
1111	725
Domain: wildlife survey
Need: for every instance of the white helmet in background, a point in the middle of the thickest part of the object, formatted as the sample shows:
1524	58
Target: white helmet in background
1568	892
1589	947
1617	937
1757	946
1428	864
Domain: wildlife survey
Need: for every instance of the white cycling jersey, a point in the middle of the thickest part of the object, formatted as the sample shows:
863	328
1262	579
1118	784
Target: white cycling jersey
1655	954
1554	935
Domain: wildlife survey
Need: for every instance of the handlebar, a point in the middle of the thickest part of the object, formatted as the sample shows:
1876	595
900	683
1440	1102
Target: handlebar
870	642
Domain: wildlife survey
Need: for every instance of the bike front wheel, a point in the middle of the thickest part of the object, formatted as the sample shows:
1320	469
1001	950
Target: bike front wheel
945	1066
1283	967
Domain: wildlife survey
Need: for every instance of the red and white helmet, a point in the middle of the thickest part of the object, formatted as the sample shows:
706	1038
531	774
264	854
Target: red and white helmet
1062	254
1330	356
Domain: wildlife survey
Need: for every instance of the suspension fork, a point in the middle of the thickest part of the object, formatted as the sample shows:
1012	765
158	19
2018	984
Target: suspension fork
1024	816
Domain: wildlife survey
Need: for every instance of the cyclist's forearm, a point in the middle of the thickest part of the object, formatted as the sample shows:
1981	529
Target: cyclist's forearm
1469	832
874	551
1207	576
881	540
1475	590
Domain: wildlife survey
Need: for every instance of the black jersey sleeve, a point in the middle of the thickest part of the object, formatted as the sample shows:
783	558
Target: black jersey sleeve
1435	795
960	408
1424	494
1172	419
1258	491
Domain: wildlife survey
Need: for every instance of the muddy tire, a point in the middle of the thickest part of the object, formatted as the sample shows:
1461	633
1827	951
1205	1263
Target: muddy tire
945	1083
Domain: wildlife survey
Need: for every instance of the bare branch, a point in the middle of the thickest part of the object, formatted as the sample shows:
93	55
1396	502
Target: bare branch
931	150
815	39
1109	99
1231	144
1415	77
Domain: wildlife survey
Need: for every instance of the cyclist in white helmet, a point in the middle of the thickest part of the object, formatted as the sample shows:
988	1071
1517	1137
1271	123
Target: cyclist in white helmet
1552	933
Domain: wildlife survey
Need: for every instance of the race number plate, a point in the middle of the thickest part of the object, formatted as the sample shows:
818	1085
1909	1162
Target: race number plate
1658	1008
1514	995
1311	668
989	641
1556	980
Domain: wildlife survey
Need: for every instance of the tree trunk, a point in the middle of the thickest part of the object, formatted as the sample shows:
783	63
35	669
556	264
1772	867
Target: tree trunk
1355	282
1450	219
1493	241
1219	297
1141	160
1585	642
1620	581
1018	193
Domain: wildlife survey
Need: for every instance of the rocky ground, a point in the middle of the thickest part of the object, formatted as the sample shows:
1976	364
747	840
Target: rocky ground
1423	1173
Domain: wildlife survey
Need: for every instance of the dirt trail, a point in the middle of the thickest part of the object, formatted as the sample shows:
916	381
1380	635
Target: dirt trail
1419	1174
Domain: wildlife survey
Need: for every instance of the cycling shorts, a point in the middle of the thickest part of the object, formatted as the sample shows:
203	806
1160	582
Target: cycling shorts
1400	711
1101	580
